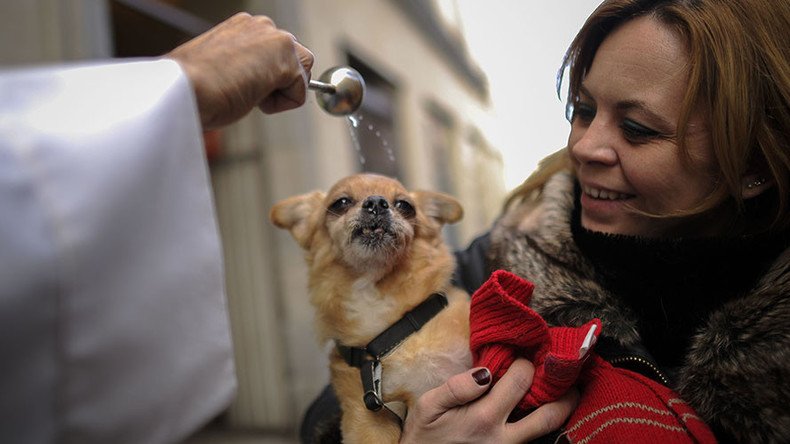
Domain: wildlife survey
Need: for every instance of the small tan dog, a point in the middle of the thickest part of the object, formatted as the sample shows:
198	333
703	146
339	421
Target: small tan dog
375	253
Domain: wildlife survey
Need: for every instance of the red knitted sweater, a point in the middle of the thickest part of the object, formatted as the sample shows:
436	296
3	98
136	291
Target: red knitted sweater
616	405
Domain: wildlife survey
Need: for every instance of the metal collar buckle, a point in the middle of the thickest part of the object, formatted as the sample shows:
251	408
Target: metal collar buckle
371	385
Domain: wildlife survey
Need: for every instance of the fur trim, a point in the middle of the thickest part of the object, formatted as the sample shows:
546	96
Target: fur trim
535	242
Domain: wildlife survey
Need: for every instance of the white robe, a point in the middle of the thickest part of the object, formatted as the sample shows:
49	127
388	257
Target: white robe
113	319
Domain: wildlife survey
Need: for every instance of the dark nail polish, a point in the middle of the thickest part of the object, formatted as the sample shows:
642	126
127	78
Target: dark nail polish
482	376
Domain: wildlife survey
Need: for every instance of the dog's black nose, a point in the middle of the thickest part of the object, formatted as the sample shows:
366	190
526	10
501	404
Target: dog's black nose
375	205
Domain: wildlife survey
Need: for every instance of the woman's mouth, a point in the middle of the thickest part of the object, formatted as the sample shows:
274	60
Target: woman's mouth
596	193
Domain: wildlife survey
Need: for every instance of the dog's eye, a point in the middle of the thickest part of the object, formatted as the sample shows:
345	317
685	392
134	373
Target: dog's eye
405	208
341	205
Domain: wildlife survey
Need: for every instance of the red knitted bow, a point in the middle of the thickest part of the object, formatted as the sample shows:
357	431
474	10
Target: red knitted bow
616	405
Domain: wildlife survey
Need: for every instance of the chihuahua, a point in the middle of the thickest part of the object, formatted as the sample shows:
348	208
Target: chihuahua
379	279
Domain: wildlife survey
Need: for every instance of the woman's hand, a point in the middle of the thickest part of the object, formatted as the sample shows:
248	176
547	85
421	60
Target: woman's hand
461	411
243	62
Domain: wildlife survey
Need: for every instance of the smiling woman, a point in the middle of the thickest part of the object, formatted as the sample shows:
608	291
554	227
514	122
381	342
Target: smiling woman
623	140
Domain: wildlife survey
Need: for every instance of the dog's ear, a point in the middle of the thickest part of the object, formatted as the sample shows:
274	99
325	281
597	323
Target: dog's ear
295	214
439	206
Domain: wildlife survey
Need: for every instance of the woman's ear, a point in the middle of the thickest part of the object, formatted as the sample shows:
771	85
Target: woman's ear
752	185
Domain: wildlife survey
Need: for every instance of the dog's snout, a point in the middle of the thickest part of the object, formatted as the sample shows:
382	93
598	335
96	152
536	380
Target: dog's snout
375	204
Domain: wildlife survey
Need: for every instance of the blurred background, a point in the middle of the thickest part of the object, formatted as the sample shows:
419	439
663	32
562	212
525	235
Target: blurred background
461	97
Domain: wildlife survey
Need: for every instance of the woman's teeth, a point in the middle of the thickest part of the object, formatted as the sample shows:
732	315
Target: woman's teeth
604	194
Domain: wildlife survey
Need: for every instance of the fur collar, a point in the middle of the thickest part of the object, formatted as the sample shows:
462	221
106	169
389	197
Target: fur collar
534	240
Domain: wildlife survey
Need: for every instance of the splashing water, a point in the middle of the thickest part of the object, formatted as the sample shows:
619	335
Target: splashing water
354	125
390	154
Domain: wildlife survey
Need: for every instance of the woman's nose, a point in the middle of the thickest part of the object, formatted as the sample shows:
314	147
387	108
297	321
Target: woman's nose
595	144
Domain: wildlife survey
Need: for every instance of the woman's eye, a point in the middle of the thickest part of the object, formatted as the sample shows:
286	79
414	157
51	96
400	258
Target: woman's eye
636	132
405	208
583	112
340	206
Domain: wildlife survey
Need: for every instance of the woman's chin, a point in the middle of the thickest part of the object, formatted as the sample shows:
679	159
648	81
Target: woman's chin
621	226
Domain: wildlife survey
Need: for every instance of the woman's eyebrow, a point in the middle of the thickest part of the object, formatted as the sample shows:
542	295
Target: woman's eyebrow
585	92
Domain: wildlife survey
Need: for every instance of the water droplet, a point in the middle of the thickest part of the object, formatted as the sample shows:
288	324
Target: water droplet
352	124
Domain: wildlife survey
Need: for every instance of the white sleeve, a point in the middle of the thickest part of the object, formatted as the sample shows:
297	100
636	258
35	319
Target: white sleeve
113	323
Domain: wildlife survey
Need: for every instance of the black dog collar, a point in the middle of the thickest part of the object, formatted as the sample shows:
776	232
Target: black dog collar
368	358
390	338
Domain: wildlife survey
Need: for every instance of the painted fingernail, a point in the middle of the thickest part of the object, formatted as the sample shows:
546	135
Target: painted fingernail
482	376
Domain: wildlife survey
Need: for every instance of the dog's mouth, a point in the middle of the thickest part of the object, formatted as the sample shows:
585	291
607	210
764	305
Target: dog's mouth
373	232
374	242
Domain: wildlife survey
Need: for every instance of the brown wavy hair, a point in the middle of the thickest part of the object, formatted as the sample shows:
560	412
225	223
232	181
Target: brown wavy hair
739	77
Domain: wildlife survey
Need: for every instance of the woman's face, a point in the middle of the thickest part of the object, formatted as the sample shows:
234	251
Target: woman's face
623	139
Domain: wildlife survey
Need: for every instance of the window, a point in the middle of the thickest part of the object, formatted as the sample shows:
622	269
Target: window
439	130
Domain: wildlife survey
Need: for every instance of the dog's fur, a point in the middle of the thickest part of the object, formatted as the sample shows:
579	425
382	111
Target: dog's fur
366	269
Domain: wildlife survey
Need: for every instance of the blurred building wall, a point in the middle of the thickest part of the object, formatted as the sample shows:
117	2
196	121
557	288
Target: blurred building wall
430	108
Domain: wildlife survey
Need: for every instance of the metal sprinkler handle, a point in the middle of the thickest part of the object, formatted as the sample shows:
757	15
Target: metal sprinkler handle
339	90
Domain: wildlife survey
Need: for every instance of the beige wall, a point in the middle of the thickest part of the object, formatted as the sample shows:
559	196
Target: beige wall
42	31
